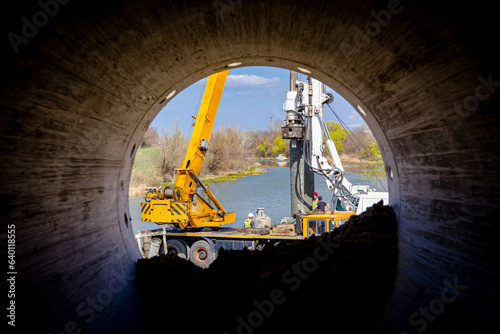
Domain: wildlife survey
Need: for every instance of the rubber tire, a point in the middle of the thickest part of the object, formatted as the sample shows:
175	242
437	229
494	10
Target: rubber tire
177	247
202	254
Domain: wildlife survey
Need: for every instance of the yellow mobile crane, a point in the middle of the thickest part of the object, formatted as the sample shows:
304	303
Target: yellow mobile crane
182	205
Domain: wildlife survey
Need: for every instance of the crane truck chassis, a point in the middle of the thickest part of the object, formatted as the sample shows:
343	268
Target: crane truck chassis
202	246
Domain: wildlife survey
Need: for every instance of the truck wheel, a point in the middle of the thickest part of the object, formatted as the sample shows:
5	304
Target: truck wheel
178	247
201	254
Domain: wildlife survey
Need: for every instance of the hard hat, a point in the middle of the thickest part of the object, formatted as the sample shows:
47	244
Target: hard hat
315	193
250	215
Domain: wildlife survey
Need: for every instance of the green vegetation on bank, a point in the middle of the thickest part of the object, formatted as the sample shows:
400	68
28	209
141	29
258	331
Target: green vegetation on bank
254	170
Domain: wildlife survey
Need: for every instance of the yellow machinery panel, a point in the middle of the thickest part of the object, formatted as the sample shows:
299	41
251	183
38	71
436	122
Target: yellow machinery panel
166	212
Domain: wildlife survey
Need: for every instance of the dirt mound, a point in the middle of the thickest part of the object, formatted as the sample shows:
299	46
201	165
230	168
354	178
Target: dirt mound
338	282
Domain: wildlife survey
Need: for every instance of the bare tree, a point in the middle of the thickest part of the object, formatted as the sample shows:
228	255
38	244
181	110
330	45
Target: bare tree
358	142
247	139
150	138
275	124
229	149
173	145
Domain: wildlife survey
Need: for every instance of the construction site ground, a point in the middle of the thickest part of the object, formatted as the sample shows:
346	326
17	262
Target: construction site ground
339	282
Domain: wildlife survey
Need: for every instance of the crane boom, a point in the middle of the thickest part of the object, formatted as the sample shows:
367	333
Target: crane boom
186	182
183	206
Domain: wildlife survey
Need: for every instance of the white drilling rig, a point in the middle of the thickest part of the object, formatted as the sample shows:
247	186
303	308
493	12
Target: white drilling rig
309	143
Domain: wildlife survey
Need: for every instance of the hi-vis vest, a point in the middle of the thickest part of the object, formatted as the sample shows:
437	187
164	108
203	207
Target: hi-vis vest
248	222
315	202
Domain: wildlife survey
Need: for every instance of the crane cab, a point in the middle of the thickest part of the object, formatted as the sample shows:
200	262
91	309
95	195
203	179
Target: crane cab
322	222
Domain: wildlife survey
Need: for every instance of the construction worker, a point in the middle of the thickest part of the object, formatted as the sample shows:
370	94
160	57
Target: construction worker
315	200
249	221
321	205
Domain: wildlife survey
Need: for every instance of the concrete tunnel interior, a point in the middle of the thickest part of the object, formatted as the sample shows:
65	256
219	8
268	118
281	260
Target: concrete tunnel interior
81	82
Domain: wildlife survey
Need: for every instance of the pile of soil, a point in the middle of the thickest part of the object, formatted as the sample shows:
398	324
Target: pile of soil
338	282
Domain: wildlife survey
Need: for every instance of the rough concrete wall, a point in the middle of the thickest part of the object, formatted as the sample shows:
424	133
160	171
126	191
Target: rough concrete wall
80	92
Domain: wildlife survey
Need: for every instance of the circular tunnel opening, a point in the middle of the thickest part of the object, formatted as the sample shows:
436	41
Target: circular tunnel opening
278	272
247	129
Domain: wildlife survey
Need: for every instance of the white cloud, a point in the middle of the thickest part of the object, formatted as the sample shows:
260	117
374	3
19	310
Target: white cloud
246	80
246	92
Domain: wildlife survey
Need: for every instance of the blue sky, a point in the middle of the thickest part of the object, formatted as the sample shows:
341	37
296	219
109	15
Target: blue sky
251	97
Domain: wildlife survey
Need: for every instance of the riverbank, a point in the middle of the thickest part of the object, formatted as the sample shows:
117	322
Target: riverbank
256	169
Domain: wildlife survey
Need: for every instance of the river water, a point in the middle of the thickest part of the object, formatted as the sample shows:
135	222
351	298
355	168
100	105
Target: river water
270	190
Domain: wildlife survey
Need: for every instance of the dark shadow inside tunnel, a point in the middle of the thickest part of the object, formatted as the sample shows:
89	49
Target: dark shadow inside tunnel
343	279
